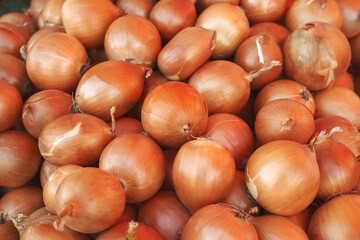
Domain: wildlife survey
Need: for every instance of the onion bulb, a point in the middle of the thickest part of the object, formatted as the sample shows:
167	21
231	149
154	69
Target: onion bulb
302	218
127	126
351	18
22	21
346	81
8	231
136	7
36	7
51	14
274	30
263	11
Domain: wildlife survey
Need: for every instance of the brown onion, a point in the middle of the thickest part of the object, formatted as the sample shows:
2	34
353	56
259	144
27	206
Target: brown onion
351	17
127	126
165	214
202	4
51	14
173	113
20	158
232	132
231	27
274	30
74	139
336	219
8	232
44	107
11	39
186	52
355	51
302	218
45	172
203	173
306	11
283	176
316	54
346	81
141	173
89	200
170	155
136	7
56	66
36	7
110	84
263	11
22	21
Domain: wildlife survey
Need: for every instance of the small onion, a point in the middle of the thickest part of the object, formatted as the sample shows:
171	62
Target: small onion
51	14
202	4
136	7
134	39
11	39
355	51
127	126
263	11
36	7
22	21
45	172
186	52
231	27
8	232
274	30
351	17
302	218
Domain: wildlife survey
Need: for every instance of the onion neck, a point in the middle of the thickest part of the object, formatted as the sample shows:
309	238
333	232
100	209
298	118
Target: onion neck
112	114
84	68
287	124
131	232
304	95
59	223
323	136
252	75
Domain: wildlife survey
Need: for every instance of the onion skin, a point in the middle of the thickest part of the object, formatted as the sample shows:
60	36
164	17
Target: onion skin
351	19
231	27
346	81
186	52
165	214
216	221
45	172
336	219
274	30
136	7
265	176
203	173
355	50
127	126
316	61
12	38
180	111
42	32
260	11
20	158
51	14
22	21
8	231
66	140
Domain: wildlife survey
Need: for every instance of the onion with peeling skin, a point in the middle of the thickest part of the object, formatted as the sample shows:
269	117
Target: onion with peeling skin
45	172
274	30
263	11
136	7
22	21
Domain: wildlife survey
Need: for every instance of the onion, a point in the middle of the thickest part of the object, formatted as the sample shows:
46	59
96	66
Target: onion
276	31
89	200
10	105
338	101
202	4
51	186
56	66
336	219
45	172
173	113
316	54
346	81
134	39
74	139
22	21
203	173
283	176
257	52
136	7
108	84
20	158
216	221
284	89
127	126
356	189
11	39
231	26
44	107
186	52
351	19
306	11
51	14
302	218
8	231
232	132
140	172
130	230
165	214
263	11
170	155
36	7
172	16
355	51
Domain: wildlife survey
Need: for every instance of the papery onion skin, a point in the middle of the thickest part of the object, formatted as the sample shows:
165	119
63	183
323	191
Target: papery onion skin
22	21
51	14
270	172
127	126
355	50
273	30
12	38
136	7
263	11
203	173
351	18
19	158
346	81
45	172
336	219
173	113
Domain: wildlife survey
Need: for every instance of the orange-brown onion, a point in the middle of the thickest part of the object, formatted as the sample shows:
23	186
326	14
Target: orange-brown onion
22	21
203	173
284	119
141	173
51	14
231	27
224	86
263	11
306	11
257	52
351	18
216	221
56	66
45	172
186	52
165	214
74	139
44	107
238	196
10	105
11	39
170	155
35	8
274	30
336	219
23	200
302	218
8	231
356	189
136	7
89	200
51	186
355	51
202	4
134	39
284	89
173	113
127	126
270	177
346	81
19	158
110	84
338	101
232	132
130	230
172	16
316	54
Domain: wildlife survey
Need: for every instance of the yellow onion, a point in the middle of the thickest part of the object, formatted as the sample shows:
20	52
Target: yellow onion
136	7
351	18
11	39
274	30
51	14
22	21
263	10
